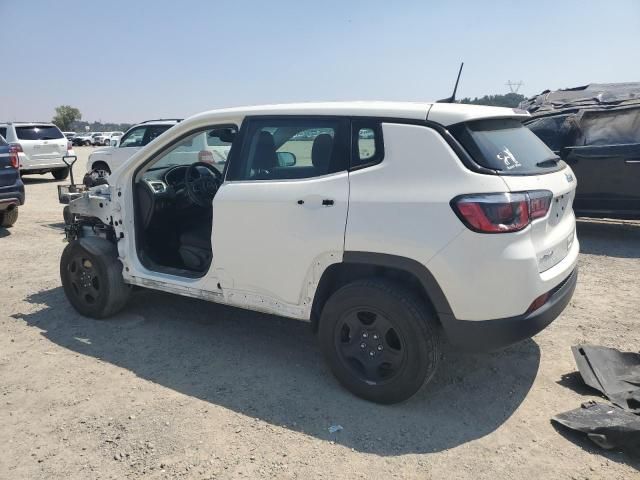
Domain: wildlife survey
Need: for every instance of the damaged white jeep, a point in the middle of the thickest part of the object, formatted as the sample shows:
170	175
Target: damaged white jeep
386	225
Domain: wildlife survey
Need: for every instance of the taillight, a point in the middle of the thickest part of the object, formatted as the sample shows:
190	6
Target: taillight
14	150
539	202
69	146
501	212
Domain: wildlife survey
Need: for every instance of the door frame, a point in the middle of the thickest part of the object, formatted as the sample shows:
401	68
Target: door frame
150	272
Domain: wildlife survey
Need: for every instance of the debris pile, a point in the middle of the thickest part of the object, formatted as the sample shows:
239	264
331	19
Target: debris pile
617	376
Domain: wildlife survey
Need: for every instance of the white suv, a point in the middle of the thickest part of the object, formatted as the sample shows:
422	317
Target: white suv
103	161
104	139
39	146
386	225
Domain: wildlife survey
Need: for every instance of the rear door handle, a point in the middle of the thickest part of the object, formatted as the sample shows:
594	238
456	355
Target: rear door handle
327	202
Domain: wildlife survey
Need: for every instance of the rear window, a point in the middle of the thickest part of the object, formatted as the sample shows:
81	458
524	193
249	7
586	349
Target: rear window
39	132
506	146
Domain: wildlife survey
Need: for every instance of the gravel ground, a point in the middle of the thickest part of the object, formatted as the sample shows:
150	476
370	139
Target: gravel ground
179	388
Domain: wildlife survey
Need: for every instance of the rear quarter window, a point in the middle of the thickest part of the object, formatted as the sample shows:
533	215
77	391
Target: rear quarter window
39	132
3	142
506	146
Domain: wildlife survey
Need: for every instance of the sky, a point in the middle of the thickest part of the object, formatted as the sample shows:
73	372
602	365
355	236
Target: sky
126	61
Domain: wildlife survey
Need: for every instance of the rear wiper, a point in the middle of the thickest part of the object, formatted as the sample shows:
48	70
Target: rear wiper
549	162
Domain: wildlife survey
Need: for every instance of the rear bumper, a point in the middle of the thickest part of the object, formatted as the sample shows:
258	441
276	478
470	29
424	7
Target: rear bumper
484	335
28	165
11	196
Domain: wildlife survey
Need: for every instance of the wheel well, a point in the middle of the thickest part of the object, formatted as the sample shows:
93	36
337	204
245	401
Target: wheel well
97	163
340	274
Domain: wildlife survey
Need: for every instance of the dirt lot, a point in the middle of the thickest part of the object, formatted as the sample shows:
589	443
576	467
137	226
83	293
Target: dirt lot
180	388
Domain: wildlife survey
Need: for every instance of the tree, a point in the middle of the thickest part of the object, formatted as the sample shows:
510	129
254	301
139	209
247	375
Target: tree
65	116
511	100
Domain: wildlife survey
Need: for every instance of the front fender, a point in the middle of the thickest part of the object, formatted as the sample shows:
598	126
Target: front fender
100	155
98	246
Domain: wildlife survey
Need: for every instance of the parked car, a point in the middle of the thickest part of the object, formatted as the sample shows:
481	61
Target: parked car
82	139
39	146
69	135
384	224
596	130
96	138
104	160
105	138
11	187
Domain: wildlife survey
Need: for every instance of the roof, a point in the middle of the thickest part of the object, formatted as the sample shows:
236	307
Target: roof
443	113
26	123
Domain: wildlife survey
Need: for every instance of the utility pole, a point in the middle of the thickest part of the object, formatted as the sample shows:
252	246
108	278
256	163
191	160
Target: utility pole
514	86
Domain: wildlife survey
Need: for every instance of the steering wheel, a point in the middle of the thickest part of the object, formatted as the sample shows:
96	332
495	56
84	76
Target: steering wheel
202	188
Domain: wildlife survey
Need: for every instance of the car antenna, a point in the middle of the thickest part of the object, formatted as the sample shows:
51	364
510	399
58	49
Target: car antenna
452	98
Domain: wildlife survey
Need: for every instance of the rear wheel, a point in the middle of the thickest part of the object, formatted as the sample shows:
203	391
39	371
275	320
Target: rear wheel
8	217
379	340
93	283
60	173
87	143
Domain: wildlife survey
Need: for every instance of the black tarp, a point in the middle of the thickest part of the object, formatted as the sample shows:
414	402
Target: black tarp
595	114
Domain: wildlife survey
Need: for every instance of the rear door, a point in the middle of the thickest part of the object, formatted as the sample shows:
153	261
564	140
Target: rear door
42	144
526	164
8	173
282	208
608	178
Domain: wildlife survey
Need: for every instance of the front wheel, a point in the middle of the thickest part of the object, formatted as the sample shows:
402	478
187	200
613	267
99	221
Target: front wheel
100	170
93	282
379	340
8	217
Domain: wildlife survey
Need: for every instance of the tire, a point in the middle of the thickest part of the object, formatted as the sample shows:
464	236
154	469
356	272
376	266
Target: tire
101	292
9	217
87	143
60	173
67	215
379	340
101	170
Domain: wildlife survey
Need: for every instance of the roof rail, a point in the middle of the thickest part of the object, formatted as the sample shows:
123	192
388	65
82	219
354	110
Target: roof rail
163	120
35	123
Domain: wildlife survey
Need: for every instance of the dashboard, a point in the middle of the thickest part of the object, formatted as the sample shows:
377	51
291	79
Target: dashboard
166	182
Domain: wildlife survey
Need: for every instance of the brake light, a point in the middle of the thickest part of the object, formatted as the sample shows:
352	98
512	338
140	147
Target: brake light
501	212
14	150
539	202
69	146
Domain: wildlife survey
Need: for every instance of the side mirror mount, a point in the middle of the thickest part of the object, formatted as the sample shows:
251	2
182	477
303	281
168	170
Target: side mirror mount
286	159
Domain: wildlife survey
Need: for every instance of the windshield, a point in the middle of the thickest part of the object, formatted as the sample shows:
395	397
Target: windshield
505	145
39	132
210	146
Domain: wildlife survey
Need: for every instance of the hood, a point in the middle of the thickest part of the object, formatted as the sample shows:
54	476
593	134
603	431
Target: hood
102	151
